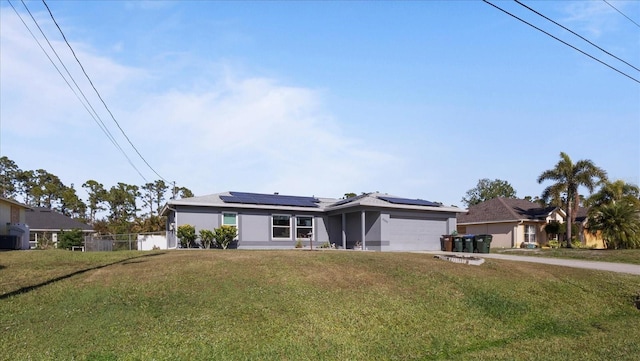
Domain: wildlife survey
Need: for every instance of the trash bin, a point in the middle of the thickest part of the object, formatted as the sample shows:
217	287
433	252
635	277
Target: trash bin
483	243
468	243
447	243
458	243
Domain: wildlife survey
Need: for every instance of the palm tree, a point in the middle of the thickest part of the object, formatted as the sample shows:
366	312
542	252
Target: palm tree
613	192
619	224
568	177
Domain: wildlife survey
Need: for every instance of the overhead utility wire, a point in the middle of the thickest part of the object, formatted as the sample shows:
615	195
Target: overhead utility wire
616	9
102	127
93	114
99	96
564	42
574	33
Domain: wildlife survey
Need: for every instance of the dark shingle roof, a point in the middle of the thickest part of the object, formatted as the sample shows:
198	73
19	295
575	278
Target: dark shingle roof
504	209
39	218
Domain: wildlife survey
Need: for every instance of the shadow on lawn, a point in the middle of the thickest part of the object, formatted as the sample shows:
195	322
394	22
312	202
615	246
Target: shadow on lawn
53	280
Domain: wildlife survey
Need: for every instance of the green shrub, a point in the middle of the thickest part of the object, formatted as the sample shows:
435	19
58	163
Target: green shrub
206	238
224	235
69	239
186	235
299	243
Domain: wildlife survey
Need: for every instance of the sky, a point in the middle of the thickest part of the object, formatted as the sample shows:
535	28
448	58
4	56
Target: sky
418	99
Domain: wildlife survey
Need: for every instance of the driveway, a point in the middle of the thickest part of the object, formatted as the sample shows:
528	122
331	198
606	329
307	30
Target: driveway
594	265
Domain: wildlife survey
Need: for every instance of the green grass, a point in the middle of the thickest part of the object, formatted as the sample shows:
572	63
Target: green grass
302	305
607	255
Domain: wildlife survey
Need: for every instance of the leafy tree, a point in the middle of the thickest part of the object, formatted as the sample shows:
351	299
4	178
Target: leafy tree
182	192
122	207
568	177
349	195
488	189
618	224
71	205
153	196
97	197
224	235
206	237
68	239
149	224
187	235
8	177
24	183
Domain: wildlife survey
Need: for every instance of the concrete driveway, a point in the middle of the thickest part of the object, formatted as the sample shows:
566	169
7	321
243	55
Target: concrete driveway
594	265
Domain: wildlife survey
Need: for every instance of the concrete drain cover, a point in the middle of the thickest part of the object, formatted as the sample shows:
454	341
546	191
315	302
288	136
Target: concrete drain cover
475	261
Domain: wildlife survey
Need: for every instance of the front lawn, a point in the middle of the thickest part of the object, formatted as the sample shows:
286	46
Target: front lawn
308	305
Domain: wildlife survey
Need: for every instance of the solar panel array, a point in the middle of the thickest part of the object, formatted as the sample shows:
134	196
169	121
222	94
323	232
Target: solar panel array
270	199
411	202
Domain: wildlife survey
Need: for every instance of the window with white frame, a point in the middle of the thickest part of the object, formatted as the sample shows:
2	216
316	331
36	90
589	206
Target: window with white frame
230	219
281	226
529	233
304	226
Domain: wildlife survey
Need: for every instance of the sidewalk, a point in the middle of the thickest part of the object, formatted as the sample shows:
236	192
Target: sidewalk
575	263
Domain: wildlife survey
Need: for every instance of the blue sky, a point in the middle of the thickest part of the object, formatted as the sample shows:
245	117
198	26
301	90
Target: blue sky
416	99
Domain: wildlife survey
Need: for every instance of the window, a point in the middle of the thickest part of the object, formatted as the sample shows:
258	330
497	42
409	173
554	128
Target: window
281	226
529	233
304	226
230	219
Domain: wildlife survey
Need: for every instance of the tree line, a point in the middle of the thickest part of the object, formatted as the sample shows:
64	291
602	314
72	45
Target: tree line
111	210
613	206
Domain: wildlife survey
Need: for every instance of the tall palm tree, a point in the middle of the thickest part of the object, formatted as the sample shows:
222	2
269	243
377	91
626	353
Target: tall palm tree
568	177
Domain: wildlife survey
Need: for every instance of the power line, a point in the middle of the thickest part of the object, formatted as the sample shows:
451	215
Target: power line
574	33
98	93
97	120
616	9
564	42
100	122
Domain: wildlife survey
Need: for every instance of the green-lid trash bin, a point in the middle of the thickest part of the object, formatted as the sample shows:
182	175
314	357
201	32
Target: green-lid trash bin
458	244
469	245
483	242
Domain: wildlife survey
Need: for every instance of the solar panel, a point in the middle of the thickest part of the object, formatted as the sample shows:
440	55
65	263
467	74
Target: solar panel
411	202
270	199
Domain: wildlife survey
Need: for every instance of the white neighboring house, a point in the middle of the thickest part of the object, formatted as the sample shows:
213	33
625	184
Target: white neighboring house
14	232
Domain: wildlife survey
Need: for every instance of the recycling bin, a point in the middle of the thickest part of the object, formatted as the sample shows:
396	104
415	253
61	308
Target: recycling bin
469	245
458	244
483	243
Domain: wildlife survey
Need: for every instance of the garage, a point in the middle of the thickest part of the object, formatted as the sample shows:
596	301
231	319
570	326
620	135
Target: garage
415	233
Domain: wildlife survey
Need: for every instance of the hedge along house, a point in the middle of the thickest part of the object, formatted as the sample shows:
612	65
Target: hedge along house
372	221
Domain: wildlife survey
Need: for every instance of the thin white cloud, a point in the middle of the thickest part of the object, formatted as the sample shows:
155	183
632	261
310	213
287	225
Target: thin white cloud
224	132
595	17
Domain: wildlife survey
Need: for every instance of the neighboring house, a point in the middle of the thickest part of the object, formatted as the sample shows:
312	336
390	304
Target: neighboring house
510	221
372	221
14	233
513	222
45	224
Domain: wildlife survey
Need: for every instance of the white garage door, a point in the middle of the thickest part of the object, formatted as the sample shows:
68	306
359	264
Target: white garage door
416	234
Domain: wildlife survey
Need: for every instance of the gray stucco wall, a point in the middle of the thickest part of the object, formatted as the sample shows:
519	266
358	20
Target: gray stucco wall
254	226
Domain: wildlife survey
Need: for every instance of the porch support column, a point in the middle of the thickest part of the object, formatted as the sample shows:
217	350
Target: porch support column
362	230
344	231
